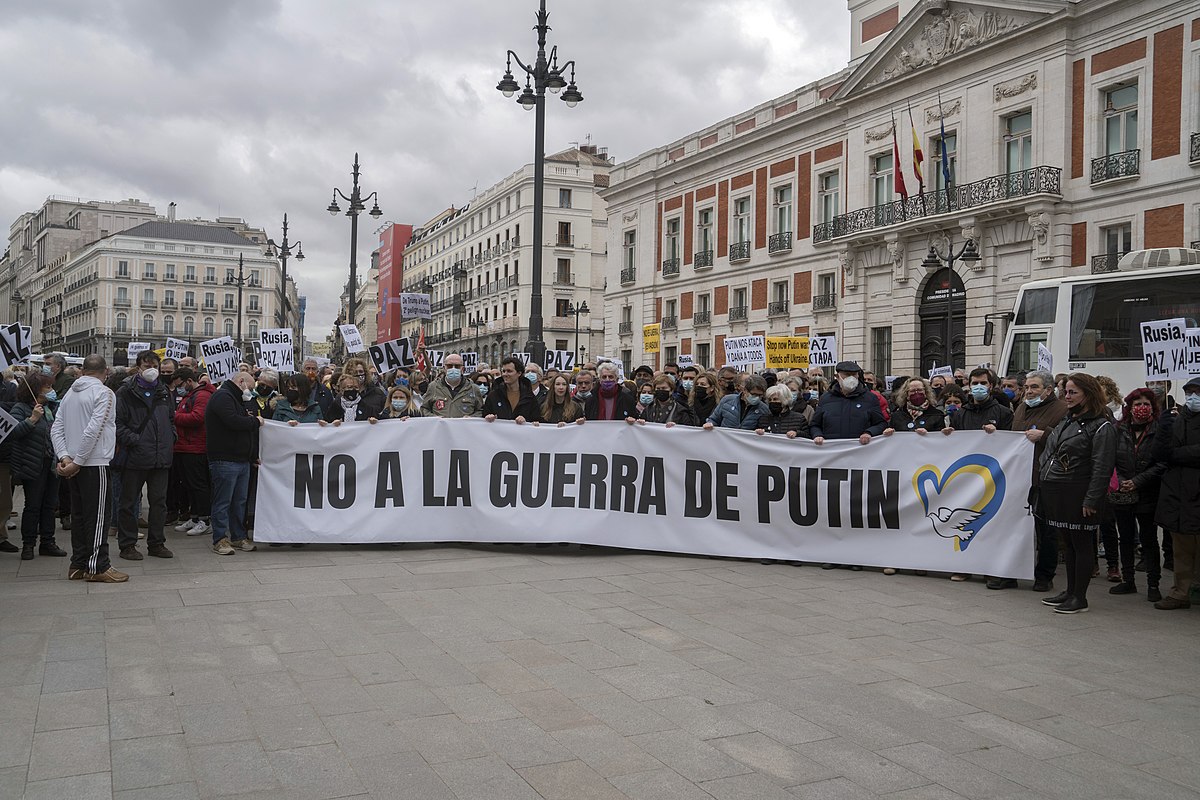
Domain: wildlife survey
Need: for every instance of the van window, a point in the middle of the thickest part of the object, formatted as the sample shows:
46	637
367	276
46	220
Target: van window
1037	306
1106	316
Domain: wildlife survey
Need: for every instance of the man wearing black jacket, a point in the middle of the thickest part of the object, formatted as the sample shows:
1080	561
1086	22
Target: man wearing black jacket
611	400
146	435
231	426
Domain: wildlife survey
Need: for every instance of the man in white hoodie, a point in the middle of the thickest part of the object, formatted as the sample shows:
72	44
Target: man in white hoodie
84	436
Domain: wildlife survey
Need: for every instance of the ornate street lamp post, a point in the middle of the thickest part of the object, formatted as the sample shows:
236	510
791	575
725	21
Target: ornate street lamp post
357	204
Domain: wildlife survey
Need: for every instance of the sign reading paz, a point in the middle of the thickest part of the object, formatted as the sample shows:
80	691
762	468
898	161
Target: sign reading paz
221	358
787	352
387	356
1164	346
352	338
822	351
745	350
561	360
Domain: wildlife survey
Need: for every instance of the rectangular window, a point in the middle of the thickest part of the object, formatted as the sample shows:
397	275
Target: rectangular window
210	300
702	303
882	186
739	298
704	230
253	302
780	291
228	301
783	208
671	244
169	272
210	274
881	353
935	160
122	269
1117	239
148	271
562	273
626	357
1018	142
564	235
669	308
560	307
629	250
670	354
741	219
827	284
123	293
564	198
828	190
147	296
703	353
627	314
1120	119
189	298
189	273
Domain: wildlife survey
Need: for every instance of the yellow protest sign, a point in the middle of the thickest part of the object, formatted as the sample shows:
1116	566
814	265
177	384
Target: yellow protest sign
787	352
652	338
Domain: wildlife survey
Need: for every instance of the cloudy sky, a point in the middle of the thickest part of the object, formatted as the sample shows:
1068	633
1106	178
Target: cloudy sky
251	108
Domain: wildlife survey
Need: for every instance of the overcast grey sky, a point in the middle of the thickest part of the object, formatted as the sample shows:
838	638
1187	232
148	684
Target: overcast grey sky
251	108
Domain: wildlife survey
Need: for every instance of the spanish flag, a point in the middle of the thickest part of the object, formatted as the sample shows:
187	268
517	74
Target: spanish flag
918	155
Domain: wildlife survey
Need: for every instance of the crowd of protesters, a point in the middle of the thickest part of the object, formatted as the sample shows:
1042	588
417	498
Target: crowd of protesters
133	453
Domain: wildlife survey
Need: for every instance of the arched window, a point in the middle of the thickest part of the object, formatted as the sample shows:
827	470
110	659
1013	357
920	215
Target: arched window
189	326
122	323
169	325
147	323
210	327
229	327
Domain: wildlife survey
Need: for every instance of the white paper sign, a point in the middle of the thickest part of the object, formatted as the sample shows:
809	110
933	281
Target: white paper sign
276	350
1193	352
1164	345
7	424
352	338
745	350
561	360
414	306
685	360
525	358
822	351
134	348
177	348
387	356
221	358
1045	359
946	371
14	348
470	363
434	359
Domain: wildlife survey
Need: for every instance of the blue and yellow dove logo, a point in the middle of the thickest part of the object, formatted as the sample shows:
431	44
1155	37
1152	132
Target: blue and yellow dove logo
961	501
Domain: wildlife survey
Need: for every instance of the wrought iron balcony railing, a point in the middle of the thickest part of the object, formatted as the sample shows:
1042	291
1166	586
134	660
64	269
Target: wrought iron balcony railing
564	241
564	279
739	251
1105	263
1118	165
777	308
780	242
624	328
737	313
824	301
670	267
703	259
996	189
701	319
670	323
628	276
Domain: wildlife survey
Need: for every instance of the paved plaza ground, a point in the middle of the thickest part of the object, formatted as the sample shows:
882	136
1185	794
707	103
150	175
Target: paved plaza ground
489	673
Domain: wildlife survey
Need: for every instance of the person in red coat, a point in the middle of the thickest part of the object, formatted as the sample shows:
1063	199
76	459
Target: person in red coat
190	444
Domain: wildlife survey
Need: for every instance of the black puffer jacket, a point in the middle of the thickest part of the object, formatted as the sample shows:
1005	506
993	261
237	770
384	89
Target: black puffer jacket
1081	450
145	426
789	420
31	444
497	403
974	416
931	418
1178	446
1142	468
840	416
671	411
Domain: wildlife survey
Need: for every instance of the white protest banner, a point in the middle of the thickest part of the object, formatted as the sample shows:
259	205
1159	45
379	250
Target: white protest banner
352	338
946	372
387	356
1164	345
221	358
133	349
822	351
7	424
685	360
177	348
524	358
275	349
1193	352
1045	359
745	350
414	306
951	504
470	363
561	360
14	348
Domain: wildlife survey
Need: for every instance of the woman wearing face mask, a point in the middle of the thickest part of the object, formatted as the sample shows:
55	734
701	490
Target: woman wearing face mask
1075	471
1138	432
783	419
296	407
914	411
401	405
559	407
33	465
664	408
419	385
266	394
611	400
349	404
482	384
512	396
373	396
703	396
645	395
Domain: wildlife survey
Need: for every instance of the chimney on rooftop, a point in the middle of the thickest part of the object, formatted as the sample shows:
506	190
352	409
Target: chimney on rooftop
171	211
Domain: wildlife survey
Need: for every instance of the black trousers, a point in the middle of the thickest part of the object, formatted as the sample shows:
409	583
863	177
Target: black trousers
177	493
1138	527
41	505
89	529
132	481
194	472
1081	560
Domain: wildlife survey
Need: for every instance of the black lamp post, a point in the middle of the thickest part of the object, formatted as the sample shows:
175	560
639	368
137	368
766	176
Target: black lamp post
967	254
240	283
283	251
476	322
18	302
577	310
544	74
357	204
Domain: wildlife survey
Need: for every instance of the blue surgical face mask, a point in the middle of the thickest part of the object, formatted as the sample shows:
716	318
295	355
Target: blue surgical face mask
1192	401
952	407
753	400
813	394
51	396
399	404
483	388
532	377
979	391
46	369
453	374
1034	402
645	399
583	395
1010	393
402	381
687	385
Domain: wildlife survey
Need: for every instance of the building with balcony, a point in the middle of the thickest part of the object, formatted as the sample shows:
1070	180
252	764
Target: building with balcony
475	262
1068	140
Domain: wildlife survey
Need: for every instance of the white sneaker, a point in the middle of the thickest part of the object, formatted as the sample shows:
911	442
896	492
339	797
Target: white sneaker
186	525
223	548
199	529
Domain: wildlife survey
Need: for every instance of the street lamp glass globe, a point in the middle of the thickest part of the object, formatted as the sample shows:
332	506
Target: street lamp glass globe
375	212
555	82
571	96
300	255
333	209
507	85
932	263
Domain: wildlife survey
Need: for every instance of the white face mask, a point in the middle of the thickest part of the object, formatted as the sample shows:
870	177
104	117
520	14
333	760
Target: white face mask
150	375
849	383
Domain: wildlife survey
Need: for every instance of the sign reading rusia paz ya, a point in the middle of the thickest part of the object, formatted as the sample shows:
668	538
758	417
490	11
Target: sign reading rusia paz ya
954	503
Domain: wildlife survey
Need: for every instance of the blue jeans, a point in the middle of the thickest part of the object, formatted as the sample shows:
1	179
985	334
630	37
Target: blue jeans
230	485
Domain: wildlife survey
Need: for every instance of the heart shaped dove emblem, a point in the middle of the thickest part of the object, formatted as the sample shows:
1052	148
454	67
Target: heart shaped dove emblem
962	500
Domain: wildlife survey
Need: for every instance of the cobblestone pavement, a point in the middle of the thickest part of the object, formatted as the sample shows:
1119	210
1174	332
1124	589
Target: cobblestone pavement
519	672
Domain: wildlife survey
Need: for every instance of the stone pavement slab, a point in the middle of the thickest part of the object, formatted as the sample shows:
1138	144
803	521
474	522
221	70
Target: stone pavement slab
471	671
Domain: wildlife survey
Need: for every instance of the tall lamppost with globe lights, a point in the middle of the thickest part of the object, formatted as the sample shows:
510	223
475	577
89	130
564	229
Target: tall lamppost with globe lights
544	75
